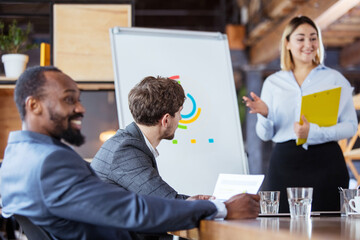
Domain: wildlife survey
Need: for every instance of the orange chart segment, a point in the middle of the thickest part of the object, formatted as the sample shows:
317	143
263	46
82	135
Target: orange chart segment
192	119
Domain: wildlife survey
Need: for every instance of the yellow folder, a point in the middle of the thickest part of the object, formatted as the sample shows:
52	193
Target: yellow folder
320	108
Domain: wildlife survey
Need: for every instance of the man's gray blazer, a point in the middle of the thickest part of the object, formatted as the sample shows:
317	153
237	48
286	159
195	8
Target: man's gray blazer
125	160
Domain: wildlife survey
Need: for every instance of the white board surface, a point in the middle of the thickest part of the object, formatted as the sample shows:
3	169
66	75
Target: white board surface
212	141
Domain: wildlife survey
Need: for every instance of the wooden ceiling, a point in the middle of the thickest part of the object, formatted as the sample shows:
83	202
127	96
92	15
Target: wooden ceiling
264	20
203	15
339	21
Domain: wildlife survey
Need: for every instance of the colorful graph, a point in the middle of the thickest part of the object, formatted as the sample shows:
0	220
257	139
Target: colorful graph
190	117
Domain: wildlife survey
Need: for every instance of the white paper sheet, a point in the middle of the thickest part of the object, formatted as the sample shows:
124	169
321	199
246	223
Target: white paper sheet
228	185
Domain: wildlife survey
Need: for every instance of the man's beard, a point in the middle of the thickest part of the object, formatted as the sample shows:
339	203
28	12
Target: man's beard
169	135
70	135
73	136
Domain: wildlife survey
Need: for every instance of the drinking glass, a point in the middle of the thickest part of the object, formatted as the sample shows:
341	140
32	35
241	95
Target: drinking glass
345	196
300	199
269	202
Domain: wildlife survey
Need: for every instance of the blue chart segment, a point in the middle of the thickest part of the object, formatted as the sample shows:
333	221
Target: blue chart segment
192	116
194	107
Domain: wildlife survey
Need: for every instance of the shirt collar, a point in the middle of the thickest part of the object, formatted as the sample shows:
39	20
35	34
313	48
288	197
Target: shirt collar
320	67
153	150
25	135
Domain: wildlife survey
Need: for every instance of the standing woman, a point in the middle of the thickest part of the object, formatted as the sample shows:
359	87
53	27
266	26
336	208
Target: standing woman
319	163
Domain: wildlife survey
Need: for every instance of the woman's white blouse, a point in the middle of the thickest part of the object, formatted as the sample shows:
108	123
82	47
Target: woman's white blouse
282	95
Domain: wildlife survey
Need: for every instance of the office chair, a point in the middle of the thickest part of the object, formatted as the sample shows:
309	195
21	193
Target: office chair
32	231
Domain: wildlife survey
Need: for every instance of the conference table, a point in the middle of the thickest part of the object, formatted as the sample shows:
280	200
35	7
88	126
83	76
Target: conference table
277	228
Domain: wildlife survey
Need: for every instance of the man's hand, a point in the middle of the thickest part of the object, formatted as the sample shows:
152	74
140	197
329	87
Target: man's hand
243	206
200	197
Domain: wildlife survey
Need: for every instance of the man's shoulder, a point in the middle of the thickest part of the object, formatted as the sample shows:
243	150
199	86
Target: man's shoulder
119	148
41	146
34	155
131	135
124	137
117	144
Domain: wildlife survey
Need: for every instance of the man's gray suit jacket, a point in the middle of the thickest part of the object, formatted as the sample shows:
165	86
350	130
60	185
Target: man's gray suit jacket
125	160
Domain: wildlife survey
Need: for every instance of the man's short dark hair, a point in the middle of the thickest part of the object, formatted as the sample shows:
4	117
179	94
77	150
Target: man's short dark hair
152	98
30	83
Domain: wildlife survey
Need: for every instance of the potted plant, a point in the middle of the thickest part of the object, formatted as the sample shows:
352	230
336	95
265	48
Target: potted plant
12	46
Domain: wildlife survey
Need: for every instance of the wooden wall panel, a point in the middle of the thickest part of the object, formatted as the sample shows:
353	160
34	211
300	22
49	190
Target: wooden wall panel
81	38
9	117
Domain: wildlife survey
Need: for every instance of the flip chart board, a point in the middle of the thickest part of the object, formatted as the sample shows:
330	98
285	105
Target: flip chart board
209	139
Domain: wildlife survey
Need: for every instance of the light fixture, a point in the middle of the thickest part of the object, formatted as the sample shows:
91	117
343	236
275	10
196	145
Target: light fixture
106	135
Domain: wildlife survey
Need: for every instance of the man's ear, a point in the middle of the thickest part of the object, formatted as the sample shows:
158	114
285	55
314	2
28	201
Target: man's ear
165	120
33	105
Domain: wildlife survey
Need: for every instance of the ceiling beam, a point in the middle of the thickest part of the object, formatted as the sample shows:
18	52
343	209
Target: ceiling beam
342	33
280	8
267	48
260	29
350	55
344	27
337	41
350	19
335	12
274	10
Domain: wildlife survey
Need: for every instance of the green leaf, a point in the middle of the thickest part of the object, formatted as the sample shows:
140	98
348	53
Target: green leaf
16	39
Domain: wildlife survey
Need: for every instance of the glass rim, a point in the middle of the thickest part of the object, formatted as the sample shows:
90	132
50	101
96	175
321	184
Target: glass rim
289	188
267	191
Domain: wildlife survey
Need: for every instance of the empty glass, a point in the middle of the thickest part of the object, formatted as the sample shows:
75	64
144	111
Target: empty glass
345	196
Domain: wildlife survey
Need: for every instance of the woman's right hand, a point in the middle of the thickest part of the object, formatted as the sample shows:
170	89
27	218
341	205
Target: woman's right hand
256	105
